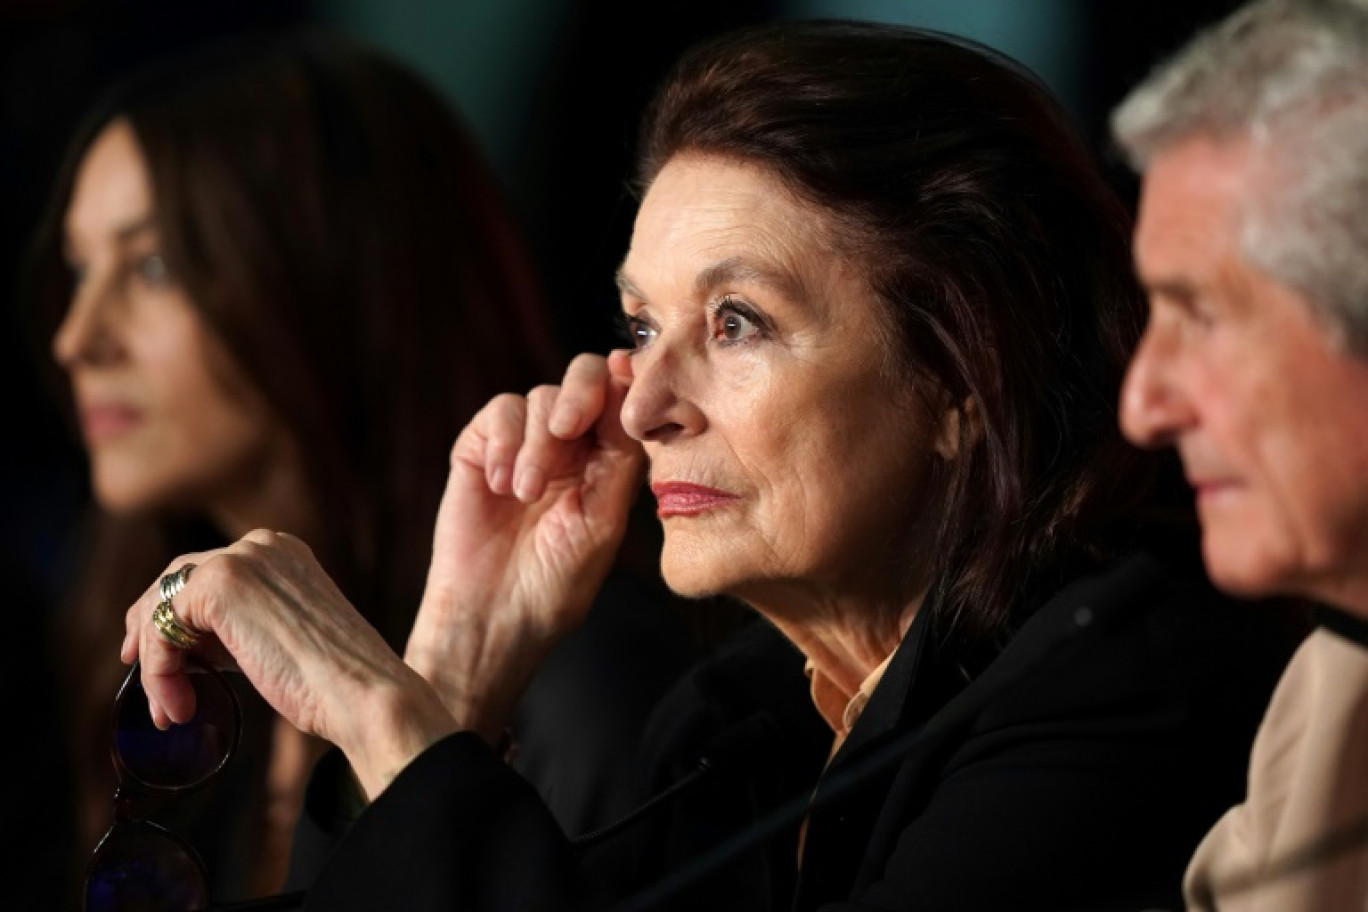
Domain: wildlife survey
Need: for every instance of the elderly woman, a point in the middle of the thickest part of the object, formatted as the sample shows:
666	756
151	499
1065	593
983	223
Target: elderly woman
879	307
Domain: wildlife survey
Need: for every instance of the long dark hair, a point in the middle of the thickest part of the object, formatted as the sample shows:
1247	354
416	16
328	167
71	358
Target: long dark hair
337	227
1000	252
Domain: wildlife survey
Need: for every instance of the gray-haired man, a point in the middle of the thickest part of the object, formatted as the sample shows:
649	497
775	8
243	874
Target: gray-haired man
1253	244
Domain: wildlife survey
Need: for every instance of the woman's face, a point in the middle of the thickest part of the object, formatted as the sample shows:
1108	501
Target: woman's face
167	417
784	458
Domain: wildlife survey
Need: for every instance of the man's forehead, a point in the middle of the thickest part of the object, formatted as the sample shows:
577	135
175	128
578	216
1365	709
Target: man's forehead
1190	205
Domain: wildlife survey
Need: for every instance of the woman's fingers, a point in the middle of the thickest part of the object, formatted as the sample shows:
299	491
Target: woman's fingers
265	606
539	449
617	372
557	419
581	397
521	442
170	696
501	424
621	456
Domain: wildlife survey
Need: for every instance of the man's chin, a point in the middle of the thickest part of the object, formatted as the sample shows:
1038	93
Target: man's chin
1243	574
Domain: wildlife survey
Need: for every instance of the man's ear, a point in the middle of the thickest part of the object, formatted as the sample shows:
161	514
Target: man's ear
961	422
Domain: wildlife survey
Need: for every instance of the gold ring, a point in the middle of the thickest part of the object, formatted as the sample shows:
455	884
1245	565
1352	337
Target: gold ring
170	627
164	615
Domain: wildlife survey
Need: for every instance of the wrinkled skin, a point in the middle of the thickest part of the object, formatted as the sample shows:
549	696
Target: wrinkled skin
535	507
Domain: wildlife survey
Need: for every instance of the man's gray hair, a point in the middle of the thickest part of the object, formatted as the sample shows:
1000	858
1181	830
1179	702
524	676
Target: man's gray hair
1291	77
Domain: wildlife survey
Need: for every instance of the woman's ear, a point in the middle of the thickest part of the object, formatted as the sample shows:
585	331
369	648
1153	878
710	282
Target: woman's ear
961	425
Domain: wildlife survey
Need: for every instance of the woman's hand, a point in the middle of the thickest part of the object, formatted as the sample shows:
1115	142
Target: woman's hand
533	513
266	607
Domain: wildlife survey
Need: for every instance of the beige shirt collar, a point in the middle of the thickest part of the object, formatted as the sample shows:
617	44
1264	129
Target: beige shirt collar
840	709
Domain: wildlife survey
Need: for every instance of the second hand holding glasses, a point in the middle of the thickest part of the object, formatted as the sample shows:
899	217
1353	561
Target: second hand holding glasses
139	865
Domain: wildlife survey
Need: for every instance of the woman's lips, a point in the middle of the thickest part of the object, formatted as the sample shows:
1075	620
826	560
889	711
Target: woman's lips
101	423
1212	491
677	498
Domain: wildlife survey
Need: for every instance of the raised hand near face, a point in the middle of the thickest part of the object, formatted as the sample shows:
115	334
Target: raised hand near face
534	510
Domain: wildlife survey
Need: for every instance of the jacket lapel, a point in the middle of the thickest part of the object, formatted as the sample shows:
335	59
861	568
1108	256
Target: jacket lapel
922	704
915	685
848	798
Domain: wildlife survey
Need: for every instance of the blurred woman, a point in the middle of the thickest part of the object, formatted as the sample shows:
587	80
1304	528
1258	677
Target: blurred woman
879	305
285	279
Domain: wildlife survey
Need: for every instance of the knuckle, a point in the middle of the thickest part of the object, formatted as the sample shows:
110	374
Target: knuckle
501	421
505	404
540	397
585	361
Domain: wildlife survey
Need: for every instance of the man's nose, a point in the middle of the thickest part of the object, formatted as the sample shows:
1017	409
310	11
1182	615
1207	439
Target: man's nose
1154	406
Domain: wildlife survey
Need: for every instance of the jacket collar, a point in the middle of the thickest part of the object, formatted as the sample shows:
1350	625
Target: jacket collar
923	682
917	682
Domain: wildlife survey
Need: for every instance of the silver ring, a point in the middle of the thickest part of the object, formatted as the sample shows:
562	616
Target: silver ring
173	583
164	618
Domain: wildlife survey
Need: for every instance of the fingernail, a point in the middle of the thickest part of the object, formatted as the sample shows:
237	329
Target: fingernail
563	421
528	483
498	479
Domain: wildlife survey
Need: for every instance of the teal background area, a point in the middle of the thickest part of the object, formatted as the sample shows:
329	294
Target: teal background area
552	89
491	56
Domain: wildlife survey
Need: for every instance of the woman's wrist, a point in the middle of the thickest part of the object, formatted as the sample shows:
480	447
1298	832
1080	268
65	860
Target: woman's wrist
394	725
478	667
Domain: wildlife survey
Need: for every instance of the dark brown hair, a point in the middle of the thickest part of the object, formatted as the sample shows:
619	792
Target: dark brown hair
1000	252
338	228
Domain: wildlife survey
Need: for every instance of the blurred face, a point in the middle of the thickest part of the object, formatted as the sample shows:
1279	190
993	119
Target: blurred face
165	414
1269	416
783	459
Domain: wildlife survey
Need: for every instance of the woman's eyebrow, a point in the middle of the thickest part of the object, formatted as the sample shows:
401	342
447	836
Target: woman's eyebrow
130	230
733	270
134	227
625	286
739	270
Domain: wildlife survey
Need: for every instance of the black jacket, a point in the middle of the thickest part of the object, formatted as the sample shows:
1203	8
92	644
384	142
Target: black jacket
1078	771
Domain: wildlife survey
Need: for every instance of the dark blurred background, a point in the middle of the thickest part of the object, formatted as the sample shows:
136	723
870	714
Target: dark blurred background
551	87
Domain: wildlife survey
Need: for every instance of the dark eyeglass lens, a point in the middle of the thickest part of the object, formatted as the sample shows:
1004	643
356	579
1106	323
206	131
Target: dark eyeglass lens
141	868
184	755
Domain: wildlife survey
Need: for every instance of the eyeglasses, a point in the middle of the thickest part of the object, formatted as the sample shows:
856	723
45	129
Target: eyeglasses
139	865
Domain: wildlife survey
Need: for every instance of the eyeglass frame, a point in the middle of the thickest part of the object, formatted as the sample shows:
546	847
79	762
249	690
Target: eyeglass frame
130	786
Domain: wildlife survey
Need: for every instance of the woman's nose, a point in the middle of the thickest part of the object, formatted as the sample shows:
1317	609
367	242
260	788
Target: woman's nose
85	334
1155	408
659	407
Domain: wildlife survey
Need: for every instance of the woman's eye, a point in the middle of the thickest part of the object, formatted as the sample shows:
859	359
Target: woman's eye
152	270
735	322
639	333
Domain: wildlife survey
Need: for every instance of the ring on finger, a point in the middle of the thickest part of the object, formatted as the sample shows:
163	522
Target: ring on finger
172	629
164	617
173	583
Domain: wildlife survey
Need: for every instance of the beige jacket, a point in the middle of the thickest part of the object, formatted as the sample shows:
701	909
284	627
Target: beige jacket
1308	784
